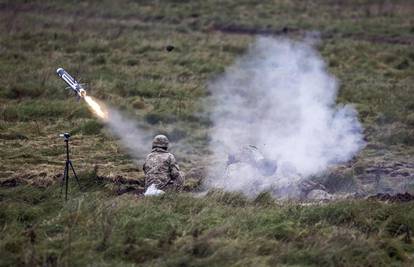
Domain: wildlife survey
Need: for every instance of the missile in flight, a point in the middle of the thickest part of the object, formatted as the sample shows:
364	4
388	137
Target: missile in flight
73	84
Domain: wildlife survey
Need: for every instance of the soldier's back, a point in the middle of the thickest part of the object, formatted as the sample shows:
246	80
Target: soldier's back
157	168
158	162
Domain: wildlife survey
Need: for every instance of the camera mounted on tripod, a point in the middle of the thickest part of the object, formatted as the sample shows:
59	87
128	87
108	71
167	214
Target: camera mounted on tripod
66	136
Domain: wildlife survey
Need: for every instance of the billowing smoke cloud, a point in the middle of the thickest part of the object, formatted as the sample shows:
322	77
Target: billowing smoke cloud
280	98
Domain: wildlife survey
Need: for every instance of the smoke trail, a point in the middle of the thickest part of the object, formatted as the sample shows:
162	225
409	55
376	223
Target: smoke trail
134	137
280	98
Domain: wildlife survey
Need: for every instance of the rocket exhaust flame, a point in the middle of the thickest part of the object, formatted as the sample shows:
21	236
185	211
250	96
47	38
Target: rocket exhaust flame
96	107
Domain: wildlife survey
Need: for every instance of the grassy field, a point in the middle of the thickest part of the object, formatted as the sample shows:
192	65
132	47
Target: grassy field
221	229
118	49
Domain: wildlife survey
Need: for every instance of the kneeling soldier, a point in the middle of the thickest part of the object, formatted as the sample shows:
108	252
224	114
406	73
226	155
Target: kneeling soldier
160	167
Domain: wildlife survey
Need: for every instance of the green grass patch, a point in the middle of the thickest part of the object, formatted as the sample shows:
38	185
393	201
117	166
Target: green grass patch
220	229
44	110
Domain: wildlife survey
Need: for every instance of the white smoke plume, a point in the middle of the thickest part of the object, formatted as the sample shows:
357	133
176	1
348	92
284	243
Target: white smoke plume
135	138
280	98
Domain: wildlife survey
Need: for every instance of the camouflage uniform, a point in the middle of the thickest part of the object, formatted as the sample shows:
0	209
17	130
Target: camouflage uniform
160	167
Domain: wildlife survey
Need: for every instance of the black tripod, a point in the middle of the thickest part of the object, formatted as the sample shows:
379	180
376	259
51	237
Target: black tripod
65	179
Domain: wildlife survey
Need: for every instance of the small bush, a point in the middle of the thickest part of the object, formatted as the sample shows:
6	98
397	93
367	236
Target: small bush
138	104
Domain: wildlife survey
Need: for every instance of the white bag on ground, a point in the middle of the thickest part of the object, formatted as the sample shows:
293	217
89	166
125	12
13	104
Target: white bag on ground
153	191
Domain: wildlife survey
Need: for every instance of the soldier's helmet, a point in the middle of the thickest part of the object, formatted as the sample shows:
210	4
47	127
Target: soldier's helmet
160	141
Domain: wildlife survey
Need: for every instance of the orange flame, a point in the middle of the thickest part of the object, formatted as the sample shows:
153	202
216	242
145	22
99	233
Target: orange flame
96	107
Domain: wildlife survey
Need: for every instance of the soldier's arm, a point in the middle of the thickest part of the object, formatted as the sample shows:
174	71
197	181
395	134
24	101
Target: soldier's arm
174	169
144	167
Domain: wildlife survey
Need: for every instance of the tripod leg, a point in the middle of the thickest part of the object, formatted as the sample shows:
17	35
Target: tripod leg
63	179
74	173
67	180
